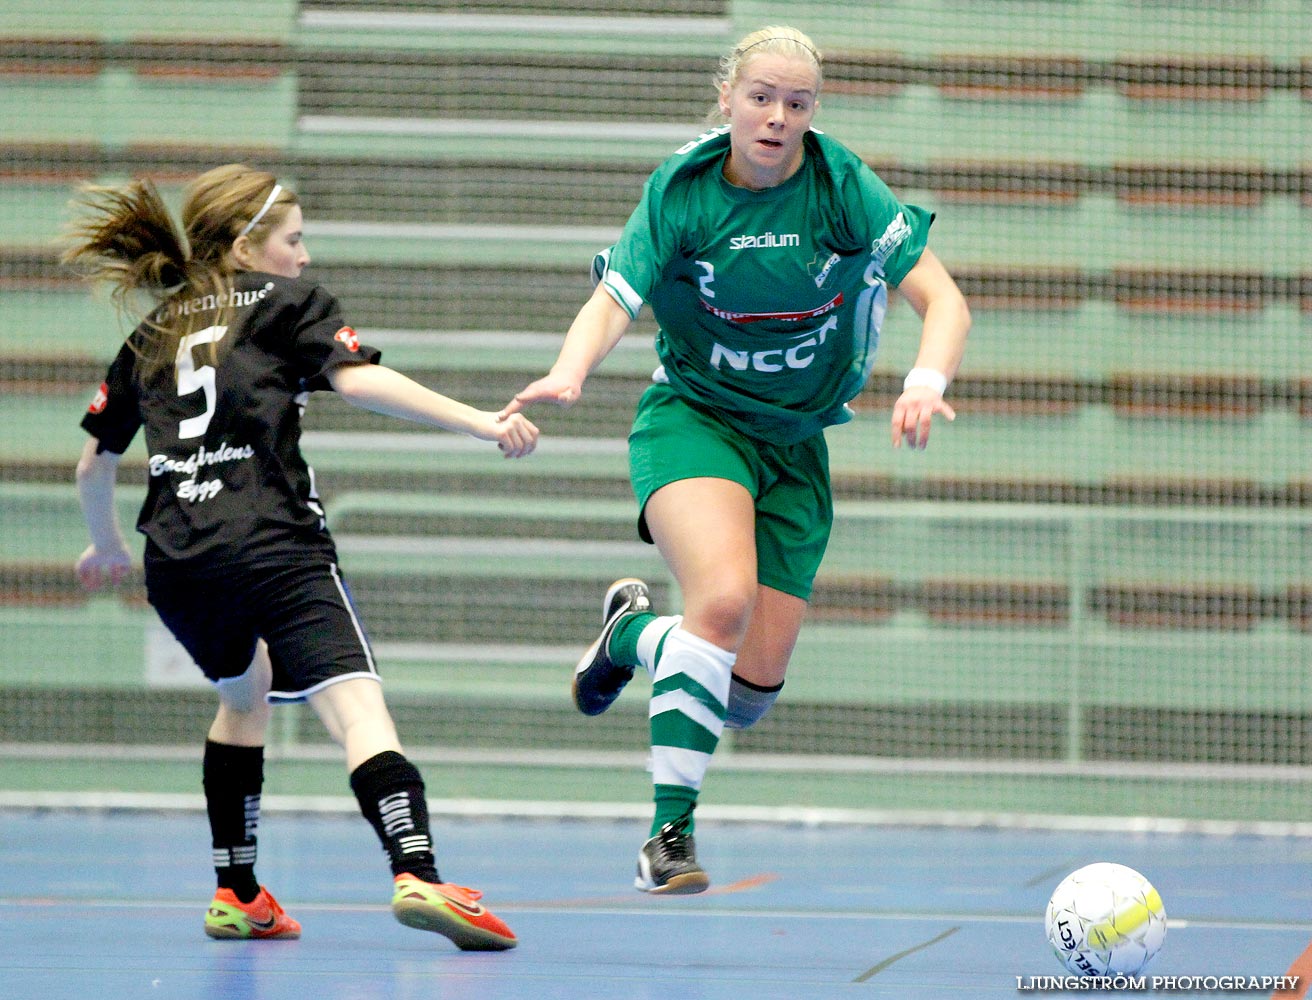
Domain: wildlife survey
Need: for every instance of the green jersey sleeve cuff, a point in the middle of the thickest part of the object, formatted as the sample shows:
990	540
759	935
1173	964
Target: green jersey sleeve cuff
622	292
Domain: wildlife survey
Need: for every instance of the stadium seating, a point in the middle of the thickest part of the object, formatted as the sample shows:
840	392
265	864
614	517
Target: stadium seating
1114	525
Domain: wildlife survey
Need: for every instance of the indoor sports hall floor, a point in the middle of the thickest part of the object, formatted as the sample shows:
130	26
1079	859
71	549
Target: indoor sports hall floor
101	905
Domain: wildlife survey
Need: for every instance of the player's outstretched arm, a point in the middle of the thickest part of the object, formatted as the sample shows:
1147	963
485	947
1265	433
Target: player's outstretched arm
385	390
597	328
946	322
106	559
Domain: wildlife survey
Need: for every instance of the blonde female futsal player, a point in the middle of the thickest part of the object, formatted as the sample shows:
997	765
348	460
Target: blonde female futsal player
765	250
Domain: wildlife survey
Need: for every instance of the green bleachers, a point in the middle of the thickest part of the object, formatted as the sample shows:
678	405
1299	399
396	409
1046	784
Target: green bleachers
435	570
1089	28
73	324
1092	233
1090	340
118	20
651	28
101	644
1087	444
1123	188
1258	551
51	521
1099	127
117	107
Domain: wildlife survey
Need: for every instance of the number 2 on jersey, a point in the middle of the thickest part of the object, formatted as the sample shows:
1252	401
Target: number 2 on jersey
191	378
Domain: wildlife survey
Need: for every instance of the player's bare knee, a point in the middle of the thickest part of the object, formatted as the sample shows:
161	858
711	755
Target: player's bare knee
748	703
725	616
243	695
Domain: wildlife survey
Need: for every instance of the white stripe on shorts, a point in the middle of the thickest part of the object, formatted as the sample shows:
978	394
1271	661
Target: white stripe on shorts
355	622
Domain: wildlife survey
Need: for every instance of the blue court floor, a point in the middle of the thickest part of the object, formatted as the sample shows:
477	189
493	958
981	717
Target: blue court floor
99	905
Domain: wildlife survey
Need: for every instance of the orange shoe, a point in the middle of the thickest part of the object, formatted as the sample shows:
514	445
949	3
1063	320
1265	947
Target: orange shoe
262	917
452	911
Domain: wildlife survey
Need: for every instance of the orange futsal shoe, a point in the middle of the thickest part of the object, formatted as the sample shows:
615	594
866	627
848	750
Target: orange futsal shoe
262	917
452	911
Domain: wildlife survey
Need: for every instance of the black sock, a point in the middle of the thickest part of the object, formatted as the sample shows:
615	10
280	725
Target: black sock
233	778
390	791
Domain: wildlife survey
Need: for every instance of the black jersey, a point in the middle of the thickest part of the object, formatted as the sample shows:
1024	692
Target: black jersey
227	482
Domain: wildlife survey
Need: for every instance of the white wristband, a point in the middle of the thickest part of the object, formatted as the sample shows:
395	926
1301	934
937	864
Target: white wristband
927	377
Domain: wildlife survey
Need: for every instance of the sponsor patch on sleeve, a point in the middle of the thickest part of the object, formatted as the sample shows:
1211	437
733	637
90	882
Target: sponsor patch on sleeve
894	236
100	399
348	337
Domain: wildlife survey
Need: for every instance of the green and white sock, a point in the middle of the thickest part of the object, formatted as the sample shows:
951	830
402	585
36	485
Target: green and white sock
638	638
690	690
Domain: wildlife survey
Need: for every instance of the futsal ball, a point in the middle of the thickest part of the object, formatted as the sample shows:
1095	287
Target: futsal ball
1105	919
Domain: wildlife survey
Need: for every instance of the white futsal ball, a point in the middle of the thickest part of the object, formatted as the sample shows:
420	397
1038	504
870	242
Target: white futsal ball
1105	919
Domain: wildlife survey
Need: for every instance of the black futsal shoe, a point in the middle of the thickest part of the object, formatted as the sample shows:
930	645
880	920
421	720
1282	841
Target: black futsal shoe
598	680
667	863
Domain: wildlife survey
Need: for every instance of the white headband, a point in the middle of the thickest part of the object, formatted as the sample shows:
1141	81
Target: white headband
277	190
779	38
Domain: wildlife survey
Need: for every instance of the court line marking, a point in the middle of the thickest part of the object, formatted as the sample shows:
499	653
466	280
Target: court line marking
875	970
812	763
643	907
582	903
1053	875
812	816
743	884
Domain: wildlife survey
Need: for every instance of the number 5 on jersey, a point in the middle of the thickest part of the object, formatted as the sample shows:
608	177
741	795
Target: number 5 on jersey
191	378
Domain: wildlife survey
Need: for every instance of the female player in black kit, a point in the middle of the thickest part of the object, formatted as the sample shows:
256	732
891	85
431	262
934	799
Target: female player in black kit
239	563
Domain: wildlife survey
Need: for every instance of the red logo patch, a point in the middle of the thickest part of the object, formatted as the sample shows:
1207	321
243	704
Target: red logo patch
347	336
100	399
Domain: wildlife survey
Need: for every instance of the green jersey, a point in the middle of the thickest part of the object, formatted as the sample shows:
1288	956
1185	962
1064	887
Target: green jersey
769	302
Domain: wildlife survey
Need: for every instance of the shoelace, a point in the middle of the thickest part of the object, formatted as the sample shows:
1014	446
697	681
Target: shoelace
674	839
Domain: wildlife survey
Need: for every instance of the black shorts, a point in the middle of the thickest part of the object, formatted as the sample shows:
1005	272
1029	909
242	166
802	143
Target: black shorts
303	612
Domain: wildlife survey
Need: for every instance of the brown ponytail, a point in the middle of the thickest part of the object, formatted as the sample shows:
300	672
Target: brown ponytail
128	240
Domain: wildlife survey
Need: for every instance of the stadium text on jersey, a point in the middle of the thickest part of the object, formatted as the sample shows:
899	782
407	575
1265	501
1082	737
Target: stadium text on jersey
746	242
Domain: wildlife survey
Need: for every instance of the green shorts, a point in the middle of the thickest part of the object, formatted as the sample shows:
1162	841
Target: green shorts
674	439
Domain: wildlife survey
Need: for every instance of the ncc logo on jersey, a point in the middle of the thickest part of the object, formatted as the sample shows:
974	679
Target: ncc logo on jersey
348	337
100	400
